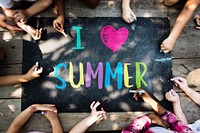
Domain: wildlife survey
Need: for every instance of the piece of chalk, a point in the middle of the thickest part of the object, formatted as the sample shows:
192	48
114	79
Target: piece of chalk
172	79
63	32
42	113
37	65
134	91
104	114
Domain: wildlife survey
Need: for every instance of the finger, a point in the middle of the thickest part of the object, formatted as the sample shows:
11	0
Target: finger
135	96
104	114
177	82
166	51
100	117
51	108
125	19
17	19
130	20
40	70
92	104
12	28
15	12
58	26
40	30
96	104
167	96
101	112
51	105
179	79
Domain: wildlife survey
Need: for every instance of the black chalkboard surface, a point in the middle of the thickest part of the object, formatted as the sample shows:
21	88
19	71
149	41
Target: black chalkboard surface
105	58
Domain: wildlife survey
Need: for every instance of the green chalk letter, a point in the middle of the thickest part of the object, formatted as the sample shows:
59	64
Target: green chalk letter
78	40
139	77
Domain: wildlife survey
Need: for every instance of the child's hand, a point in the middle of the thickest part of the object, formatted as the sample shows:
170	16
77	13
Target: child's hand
33	74
8	23
95	115
44	107
180	83
145	96
128	15
37	34
51	115
21	16
58	24
167	45
172	96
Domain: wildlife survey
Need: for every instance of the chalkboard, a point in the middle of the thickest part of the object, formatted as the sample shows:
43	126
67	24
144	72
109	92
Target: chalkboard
102	61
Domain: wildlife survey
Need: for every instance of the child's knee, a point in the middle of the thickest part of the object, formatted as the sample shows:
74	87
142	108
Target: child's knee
92	3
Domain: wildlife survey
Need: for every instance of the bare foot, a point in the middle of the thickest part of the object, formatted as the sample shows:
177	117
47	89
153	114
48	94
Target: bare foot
167	45
170	2
128	15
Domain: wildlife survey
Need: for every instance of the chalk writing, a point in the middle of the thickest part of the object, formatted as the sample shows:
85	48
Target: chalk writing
112	38
103	75
78	38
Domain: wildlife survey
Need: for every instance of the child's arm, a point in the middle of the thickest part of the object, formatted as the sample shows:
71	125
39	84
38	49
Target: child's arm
95	116
22	118
37	7
173	97
154	104
182	84
55	123
127	14
58	23
180	23
17	79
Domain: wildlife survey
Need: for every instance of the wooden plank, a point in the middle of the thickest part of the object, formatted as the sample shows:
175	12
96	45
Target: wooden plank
188	44
190	109
189	69
10	69
115	121
9	109
12	91
12	47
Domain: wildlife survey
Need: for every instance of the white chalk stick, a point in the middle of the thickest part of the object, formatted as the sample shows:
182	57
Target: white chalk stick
134	91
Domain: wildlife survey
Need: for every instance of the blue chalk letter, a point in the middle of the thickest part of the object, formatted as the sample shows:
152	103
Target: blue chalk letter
78	35
58	77
108	73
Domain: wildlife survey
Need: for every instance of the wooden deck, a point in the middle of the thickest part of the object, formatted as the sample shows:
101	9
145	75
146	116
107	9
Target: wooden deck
186	63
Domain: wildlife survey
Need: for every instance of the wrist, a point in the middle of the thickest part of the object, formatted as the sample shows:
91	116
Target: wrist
91	120
54	120
26	77
125	4
187	90
176	104
60	16
32	108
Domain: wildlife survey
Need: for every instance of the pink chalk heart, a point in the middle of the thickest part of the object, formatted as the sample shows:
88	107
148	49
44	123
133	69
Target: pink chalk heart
112	38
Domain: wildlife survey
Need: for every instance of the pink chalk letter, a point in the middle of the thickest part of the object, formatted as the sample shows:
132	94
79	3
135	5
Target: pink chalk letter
112	38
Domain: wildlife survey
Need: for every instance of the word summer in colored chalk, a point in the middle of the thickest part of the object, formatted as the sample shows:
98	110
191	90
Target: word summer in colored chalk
103	74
